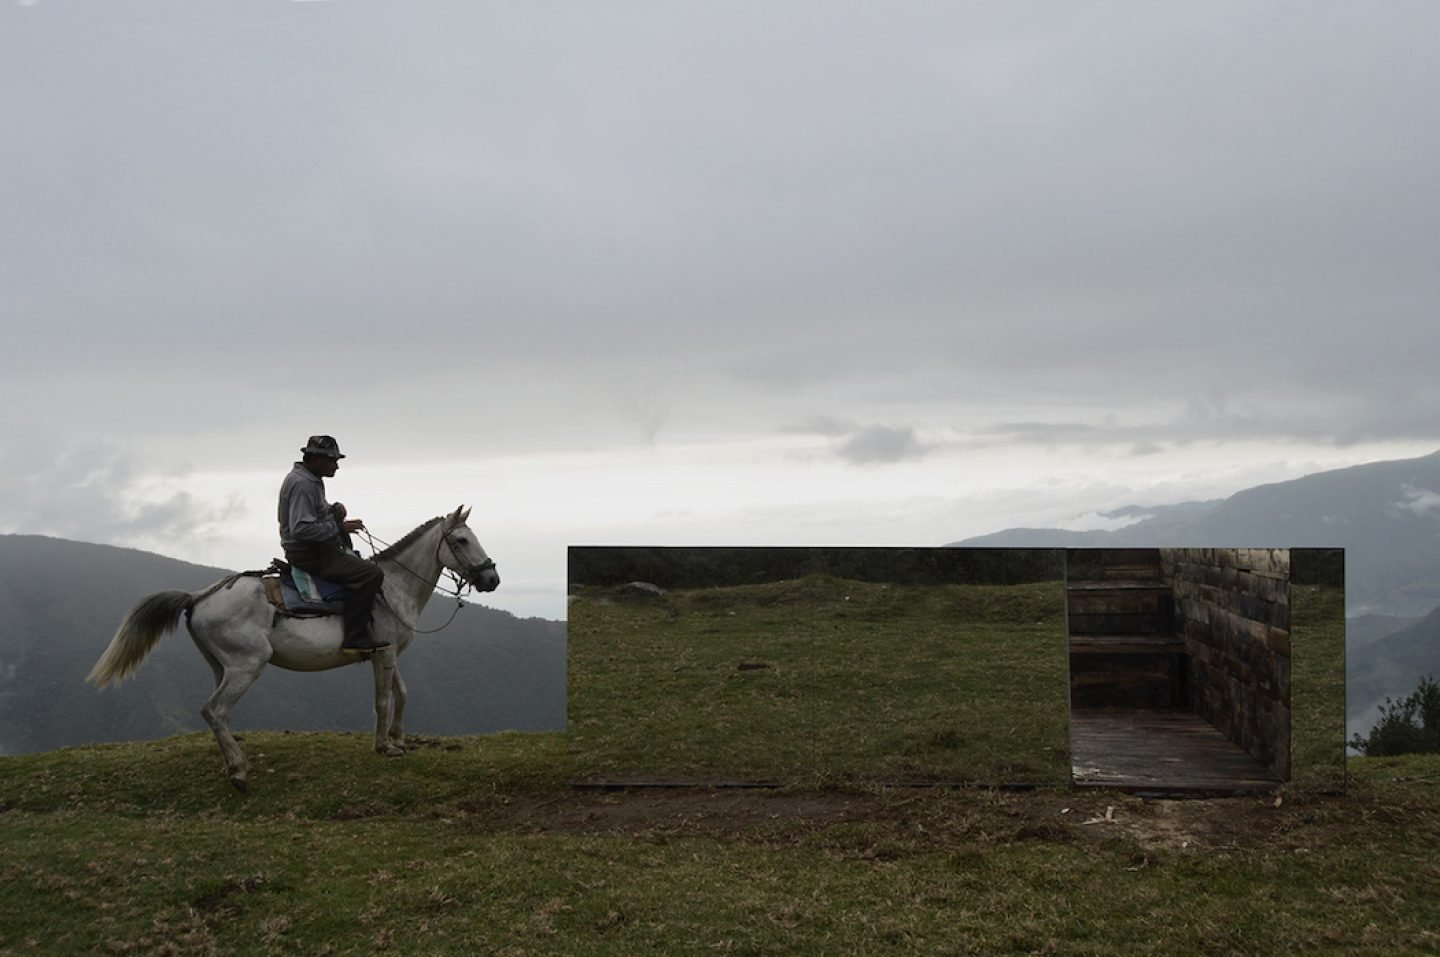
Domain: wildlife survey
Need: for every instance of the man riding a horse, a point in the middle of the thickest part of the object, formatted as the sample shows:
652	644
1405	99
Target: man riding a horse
240	633
315	537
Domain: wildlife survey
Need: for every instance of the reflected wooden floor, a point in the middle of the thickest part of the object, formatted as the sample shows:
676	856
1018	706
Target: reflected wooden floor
1161	751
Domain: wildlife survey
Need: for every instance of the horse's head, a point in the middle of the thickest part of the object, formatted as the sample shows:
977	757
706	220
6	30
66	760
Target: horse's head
461	553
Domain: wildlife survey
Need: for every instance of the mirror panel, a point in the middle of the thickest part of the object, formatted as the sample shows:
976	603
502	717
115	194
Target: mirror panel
936	665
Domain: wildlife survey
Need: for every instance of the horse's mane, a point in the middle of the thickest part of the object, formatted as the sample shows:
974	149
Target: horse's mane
409	537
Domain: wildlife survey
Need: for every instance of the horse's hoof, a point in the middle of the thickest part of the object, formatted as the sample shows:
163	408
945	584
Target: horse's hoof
393	751
240	783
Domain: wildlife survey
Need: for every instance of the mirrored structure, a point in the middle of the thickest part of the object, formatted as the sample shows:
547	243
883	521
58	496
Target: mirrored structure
1018	666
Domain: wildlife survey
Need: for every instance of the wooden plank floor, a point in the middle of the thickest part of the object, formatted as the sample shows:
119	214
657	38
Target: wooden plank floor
1161	751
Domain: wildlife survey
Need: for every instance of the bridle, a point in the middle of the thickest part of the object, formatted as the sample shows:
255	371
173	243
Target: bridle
471	573
461	581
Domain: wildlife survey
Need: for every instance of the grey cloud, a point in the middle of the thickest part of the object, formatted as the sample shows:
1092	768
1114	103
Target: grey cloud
951	204
1263	417
93	493
1045	431
823	425
882	444
1419	501
863	445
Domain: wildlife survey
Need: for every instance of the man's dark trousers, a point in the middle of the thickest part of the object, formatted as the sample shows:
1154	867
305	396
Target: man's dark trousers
361	580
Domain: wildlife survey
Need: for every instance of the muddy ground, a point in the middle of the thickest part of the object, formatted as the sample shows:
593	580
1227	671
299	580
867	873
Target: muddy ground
933	817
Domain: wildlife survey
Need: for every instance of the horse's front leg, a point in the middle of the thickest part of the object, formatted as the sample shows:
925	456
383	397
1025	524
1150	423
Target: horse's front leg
396	737
384	665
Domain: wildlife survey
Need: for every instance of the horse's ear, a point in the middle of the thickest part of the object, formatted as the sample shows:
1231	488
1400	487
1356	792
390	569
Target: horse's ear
464	514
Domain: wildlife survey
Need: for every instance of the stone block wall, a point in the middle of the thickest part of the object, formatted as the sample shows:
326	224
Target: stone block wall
1232	606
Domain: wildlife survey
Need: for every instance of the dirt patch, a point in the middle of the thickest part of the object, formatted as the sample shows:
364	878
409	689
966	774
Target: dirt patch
708	811
1201	824
929	817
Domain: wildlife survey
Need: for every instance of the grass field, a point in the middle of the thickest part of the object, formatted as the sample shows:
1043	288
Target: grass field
480	846
485	845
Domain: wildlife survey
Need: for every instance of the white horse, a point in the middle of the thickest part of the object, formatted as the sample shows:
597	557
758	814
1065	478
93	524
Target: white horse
238	631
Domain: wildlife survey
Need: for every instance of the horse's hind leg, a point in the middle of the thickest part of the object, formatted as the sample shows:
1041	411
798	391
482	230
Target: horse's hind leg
232	631
233	683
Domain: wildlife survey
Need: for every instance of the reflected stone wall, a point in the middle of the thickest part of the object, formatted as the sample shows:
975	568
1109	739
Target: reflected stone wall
1232	606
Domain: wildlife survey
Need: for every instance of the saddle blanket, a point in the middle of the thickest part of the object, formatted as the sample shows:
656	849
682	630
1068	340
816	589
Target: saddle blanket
300	594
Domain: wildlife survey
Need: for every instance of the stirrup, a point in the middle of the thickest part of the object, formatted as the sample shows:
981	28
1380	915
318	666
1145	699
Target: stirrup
365	649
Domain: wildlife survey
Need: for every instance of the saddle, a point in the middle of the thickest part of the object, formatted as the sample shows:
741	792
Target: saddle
295	592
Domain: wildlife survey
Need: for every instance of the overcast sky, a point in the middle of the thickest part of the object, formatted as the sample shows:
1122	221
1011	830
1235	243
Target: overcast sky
704	272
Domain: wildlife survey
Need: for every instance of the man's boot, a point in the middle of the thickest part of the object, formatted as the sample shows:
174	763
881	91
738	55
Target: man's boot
358	636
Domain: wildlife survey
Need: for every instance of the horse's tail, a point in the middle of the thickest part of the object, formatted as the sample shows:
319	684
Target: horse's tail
149	621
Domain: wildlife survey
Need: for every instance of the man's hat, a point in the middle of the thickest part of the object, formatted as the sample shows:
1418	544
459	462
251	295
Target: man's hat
322	445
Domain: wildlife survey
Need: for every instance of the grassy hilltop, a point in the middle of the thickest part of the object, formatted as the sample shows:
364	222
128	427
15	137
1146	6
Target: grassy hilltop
484	845
479	846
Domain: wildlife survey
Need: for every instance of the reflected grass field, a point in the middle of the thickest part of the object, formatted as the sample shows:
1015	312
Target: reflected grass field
1317	686
822	678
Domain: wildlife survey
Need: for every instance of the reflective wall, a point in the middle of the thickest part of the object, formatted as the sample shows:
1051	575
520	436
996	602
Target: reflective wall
802	665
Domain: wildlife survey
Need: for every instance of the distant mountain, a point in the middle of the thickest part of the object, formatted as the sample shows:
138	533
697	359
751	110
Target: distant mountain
1386	515
61	601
